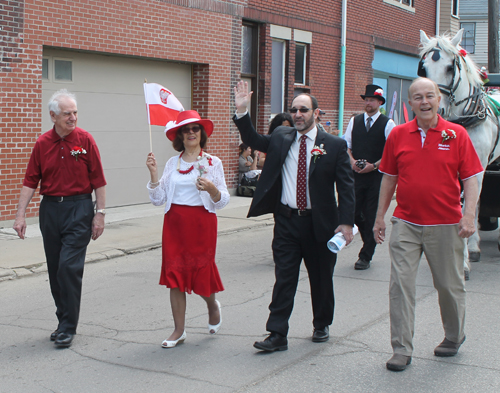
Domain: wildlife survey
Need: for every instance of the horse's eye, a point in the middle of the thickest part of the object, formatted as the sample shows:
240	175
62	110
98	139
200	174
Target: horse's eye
449	69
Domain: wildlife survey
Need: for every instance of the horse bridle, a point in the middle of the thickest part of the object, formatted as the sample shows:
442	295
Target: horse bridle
476	111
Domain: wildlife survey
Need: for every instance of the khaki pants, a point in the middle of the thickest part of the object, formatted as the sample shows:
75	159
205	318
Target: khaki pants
444	251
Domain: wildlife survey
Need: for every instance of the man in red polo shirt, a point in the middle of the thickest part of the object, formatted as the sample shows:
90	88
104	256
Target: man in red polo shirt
66	163
425	158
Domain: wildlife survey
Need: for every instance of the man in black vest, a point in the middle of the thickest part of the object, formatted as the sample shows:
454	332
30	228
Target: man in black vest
365	136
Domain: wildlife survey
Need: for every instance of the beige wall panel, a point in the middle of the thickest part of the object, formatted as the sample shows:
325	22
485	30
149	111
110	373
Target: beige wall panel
111	106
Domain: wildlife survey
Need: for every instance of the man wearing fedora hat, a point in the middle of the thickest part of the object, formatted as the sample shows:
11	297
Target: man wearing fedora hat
365	136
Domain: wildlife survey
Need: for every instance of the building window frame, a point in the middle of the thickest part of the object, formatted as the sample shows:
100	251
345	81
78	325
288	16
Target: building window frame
469	37
46	68
54	61
301	78
278	75
249	71
455	6
408	5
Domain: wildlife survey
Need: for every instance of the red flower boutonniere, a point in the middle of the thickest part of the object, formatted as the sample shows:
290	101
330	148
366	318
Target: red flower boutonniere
318	151
447	135
462	52
77	150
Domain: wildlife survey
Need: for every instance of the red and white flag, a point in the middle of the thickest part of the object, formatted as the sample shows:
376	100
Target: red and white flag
162	106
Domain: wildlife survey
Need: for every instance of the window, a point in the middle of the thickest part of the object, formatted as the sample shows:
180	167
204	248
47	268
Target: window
247	56
454	8
300	64
63	70
405	4
45	68
277	76
249	61
469	37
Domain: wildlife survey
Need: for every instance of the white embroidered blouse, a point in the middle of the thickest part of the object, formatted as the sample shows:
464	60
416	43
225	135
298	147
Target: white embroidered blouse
164	192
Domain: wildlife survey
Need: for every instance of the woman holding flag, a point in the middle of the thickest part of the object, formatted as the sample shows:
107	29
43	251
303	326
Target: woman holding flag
192	187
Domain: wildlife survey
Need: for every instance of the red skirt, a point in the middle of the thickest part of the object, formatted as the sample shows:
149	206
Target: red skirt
188	250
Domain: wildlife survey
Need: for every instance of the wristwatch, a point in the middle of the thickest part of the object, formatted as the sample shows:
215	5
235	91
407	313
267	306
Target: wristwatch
102	211
375	167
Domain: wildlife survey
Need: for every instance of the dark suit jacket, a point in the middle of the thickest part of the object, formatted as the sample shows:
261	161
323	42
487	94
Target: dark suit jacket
324	172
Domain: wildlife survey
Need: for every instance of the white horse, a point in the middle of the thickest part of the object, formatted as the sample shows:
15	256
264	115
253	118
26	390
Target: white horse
464	101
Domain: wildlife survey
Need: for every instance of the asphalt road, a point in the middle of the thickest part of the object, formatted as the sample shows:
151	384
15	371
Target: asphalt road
125	316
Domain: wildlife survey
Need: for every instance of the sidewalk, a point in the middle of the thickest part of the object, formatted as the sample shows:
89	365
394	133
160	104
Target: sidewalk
129	230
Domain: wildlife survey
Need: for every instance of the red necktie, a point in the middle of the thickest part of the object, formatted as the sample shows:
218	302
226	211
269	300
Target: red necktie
302	175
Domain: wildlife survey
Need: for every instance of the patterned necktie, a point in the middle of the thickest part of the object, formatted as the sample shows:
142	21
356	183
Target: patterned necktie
368	123
302	175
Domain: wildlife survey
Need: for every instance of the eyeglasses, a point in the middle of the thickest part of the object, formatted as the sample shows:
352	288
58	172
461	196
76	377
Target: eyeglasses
301	110
187	130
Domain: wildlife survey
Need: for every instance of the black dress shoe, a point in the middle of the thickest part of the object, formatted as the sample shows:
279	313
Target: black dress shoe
273	342
53	335
64	340
321	335
361	264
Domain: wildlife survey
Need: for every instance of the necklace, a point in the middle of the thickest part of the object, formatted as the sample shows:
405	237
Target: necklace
185	172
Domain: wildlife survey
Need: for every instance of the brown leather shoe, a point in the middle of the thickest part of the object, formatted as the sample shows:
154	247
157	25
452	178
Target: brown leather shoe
447	348
398	362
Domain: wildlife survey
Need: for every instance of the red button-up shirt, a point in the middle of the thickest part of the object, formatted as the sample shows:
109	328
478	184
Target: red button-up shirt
59	172
428	190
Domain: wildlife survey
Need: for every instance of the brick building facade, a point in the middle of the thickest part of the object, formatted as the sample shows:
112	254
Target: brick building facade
207	39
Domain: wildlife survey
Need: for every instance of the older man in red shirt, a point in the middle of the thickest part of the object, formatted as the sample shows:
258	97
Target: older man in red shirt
425	158
66	162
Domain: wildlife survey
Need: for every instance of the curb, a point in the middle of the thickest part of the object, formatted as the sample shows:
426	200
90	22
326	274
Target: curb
37	268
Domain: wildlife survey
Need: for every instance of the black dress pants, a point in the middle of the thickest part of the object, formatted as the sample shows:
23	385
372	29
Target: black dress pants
367	188
293	241
66	229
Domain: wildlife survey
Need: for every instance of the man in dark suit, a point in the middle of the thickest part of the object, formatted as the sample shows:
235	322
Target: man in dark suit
297	185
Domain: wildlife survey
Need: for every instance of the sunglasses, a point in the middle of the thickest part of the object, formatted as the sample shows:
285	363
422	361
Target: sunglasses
187	130
301	110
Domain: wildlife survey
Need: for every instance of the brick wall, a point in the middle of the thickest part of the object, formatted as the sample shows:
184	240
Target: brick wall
143	28
205	33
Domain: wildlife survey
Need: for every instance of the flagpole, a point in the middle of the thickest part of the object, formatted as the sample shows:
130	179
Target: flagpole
147	108
150	140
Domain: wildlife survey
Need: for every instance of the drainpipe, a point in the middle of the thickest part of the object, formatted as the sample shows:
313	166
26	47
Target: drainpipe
342	67
438	11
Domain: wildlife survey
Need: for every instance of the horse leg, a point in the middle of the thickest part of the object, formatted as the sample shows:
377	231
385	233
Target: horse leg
498	241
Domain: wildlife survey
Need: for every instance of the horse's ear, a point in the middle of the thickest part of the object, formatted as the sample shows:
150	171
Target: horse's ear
423	37
458	37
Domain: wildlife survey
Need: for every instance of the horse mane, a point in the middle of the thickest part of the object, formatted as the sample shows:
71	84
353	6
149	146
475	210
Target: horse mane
444	42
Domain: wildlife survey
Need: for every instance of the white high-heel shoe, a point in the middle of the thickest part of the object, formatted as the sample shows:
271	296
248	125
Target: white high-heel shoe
171	344
212	329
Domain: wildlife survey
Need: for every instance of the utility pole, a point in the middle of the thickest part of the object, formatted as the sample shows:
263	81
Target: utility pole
493	37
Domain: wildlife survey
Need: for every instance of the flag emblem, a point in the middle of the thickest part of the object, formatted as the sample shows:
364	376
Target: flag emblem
164	95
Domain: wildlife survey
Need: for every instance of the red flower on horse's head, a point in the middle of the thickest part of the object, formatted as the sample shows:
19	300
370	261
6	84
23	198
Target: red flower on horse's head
462	52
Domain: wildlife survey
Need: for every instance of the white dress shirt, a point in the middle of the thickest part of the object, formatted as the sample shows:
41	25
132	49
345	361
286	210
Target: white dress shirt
289	170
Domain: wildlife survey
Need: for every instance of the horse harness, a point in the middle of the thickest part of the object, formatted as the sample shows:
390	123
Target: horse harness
477	110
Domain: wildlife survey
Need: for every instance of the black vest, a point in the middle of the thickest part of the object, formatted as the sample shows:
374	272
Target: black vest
368	145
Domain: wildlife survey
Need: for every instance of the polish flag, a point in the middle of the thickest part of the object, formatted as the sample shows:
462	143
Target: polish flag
162	106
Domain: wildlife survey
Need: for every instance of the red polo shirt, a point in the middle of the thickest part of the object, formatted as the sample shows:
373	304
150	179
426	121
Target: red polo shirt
428	190
59	172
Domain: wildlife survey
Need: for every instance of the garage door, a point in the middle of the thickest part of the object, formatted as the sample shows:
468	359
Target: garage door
110	95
